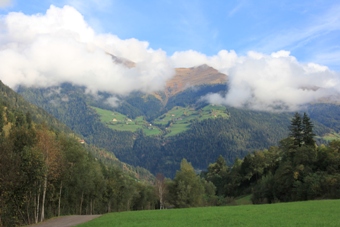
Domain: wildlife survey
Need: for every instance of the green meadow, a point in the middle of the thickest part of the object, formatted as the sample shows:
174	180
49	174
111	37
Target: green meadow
120	122
309	213
186	114
177	120
331	136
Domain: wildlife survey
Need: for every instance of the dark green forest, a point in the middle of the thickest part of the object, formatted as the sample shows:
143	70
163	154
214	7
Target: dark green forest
45	174
235	137
297	169
47	171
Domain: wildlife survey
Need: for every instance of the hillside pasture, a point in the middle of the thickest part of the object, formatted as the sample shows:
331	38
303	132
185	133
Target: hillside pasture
309	213
177	128
178	119
330	136
120	122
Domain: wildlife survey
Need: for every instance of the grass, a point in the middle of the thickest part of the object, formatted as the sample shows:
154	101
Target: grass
120	122
331	136
179	117
244	200
310	213
176	129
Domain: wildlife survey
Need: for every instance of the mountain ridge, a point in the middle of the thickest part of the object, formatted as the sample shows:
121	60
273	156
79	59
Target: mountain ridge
194	76
14	102
199	141
183	78
157	130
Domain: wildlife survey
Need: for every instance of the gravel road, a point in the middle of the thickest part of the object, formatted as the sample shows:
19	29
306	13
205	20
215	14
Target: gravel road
65	221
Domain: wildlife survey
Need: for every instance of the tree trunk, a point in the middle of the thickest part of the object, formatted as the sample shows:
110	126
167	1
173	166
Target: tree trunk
109	206
81	203
27	207
61	186
160	199
35	208
42	217
93	206
38	206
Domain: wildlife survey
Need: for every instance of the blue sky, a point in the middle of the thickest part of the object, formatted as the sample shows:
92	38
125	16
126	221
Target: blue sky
310	30
275	54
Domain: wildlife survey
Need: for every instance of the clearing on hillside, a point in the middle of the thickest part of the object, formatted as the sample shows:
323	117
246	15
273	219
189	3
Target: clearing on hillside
120	122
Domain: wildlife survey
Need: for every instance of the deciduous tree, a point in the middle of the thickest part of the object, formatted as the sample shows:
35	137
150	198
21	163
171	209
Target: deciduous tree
50	150
160	187
187	189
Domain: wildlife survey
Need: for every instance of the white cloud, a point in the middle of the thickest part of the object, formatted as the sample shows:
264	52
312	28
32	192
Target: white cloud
48	49
59	46
5	3
223	61
112	101
276	82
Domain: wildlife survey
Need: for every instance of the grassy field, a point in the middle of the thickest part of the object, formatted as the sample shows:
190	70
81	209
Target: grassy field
310	213
120	122
331	136
178	119
181	117
244	200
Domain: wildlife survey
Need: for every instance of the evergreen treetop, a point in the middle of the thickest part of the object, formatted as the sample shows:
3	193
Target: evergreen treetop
301	130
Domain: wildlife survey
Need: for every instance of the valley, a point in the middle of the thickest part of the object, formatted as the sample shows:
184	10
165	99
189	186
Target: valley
157	136
157	130
191	113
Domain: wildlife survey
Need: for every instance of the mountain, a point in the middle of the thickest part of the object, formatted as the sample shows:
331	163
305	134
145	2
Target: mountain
122	61
15	103
156	131
192	77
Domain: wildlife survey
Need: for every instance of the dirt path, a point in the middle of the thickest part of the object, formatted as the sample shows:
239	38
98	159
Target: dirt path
65	221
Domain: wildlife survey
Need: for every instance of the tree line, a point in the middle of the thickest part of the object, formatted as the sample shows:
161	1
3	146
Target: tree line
244	131
44	173
296	169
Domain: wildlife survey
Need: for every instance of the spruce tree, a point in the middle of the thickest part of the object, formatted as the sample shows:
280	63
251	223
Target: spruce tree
301	130
296	130
307	127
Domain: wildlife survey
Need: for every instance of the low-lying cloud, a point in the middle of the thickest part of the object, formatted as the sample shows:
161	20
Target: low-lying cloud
59	46
276	82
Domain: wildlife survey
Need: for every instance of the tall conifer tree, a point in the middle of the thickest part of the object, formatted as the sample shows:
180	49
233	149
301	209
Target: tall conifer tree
301	130
308	135
296	130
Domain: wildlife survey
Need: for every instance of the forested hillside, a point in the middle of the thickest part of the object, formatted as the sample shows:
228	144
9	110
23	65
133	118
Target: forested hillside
15	102
296	169
46	172
197	135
